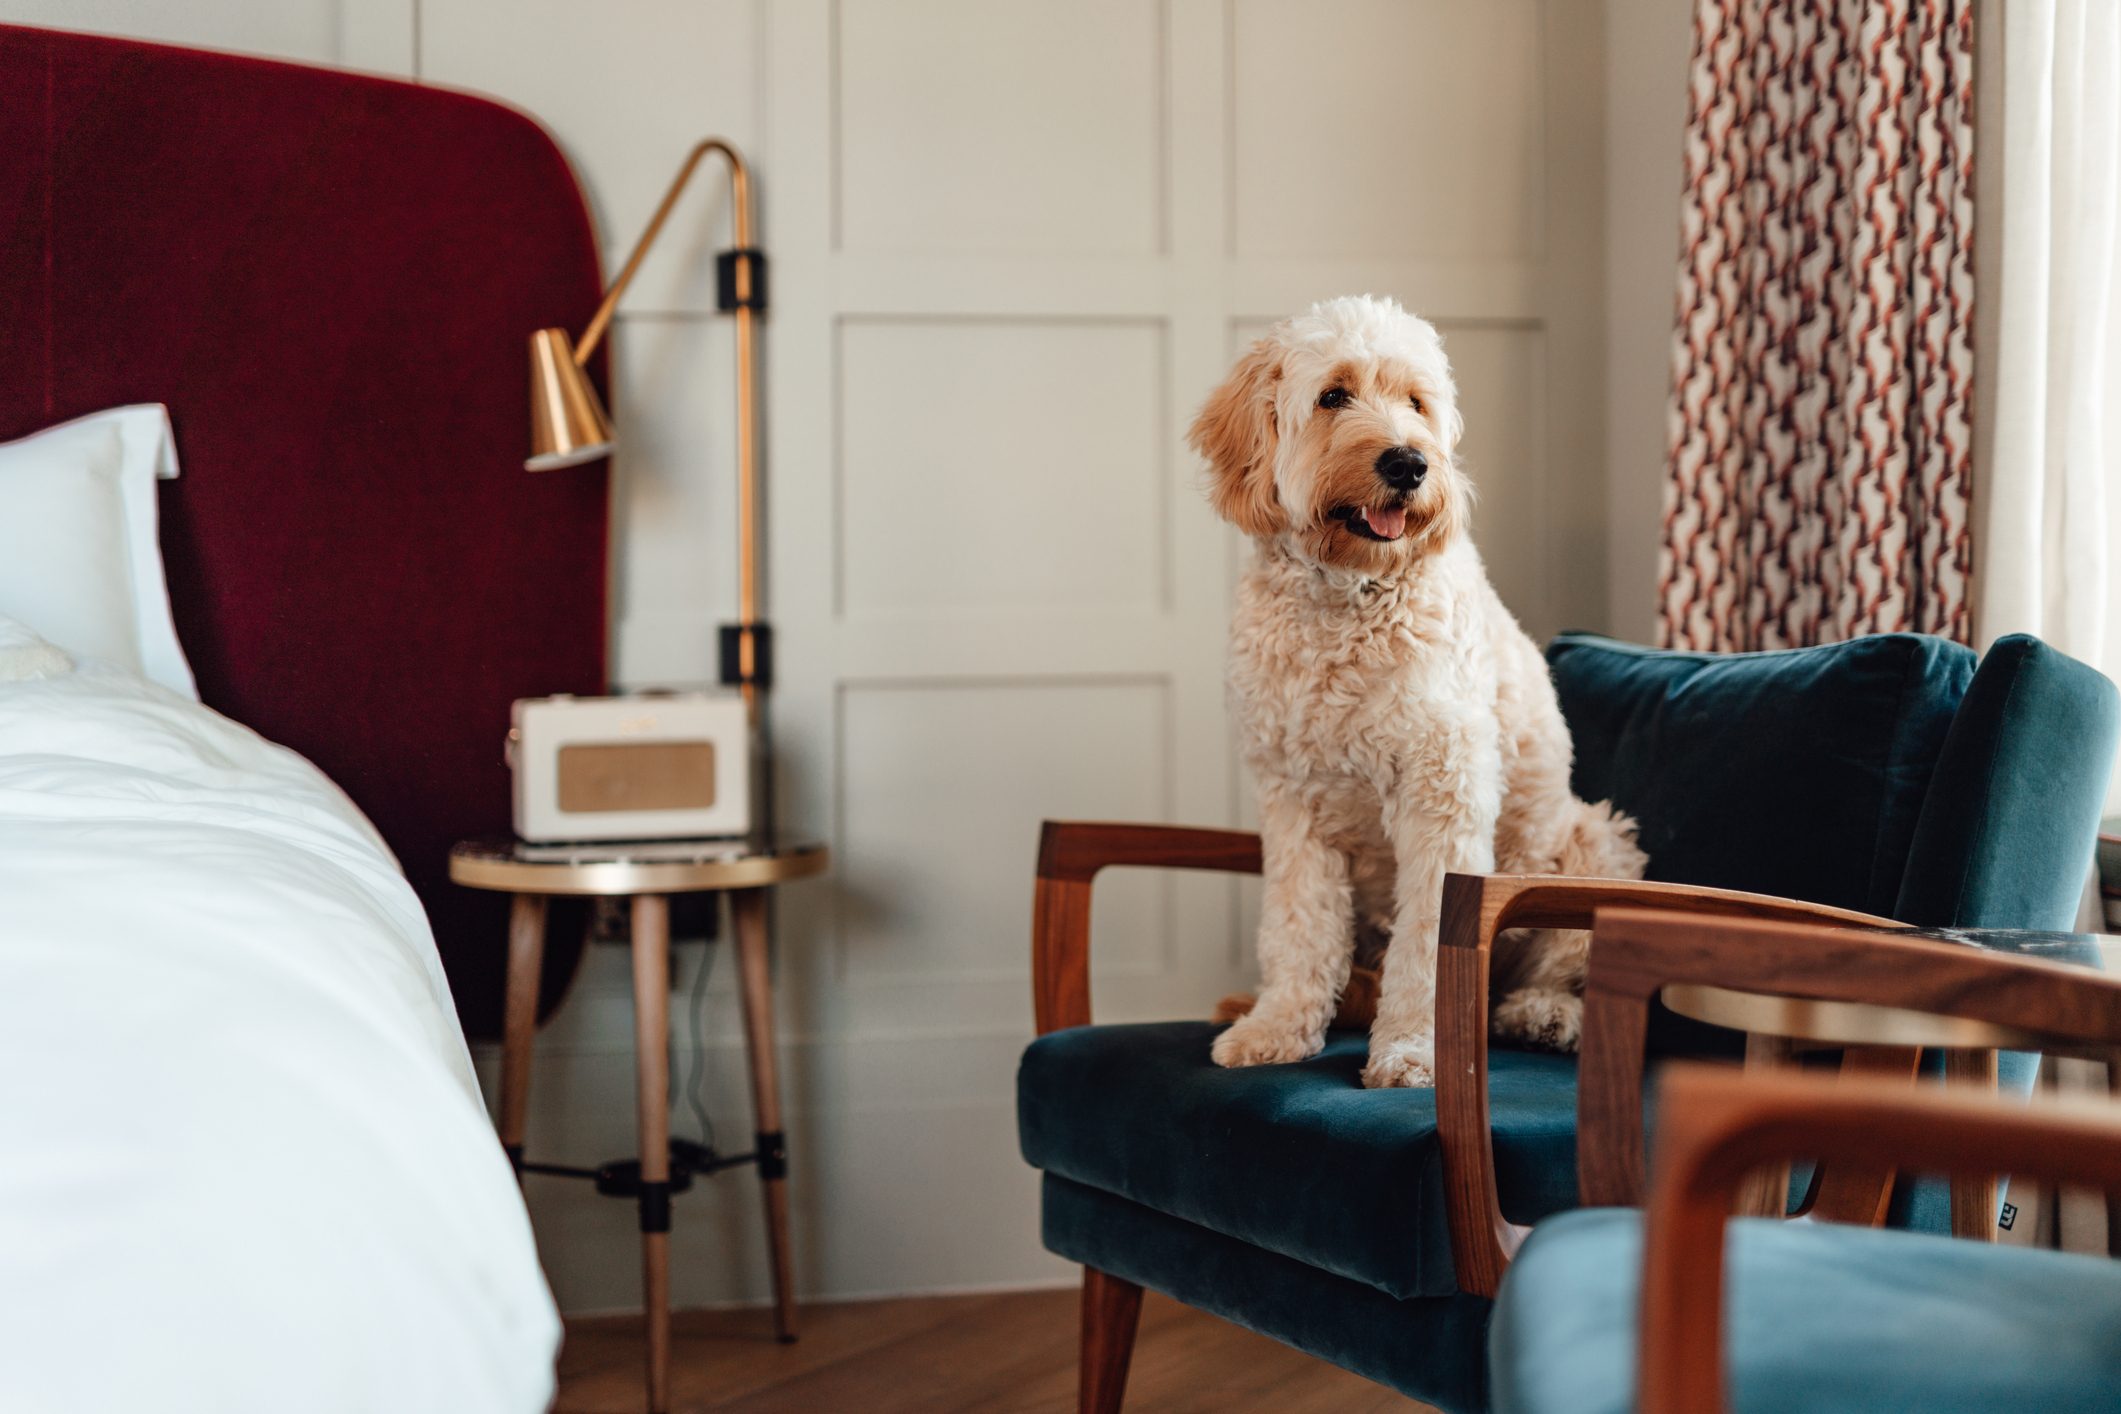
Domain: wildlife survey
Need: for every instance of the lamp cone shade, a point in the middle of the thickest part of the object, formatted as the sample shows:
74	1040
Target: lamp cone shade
567	423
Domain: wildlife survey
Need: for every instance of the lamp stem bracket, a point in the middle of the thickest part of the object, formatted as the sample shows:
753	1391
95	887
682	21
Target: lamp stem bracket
747	655
740	279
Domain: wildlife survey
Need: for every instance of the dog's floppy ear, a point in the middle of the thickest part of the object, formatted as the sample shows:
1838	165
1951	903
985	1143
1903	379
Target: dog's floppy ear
1235	432
1454	423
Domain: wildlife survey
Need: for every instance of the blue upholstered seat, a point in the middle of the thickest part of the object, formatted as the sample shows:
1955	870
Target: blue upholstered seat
1882	774
1432	1347
1821	1319
1297	1159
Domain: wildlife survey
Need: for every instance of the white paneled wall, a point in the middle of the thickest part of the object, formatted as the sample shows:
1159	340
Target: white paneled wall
999	129
1383	129
1065	429
306	30
1014	245
1647	45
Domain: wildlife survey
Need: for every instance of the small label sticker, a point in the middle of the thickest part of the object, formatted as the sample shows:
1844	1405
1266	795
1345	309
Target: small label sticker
2010	1216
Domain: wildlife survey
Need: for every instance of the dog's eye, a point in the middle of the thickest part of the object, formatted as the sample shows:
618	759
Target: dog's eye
1416	400
1333	398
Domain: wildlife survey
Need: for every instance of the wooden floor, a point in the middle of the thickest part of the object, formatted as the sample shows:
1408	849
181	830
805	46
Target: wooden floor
941	1353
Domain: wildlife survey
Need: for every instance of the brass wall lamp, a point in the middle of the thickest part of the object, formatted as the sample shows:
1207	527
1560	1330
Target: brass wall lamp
568	424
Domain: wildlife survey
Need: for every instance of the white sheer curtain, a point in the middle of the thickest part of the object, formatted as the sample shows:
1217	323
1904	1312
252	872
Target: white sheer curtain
2048	453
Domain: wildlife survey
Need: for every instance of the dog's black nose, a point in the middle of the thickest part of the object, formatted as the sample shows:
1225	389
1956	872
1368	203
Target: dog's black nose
1402	468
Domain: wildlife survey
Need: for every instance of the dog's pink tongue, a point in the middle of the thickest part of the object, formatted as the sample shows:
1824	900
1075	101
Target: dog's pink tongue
1386	525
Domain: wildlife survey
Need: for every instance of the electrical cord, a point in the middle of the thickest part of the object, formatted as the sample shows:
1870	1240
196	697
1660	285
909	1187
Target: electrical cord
696	1072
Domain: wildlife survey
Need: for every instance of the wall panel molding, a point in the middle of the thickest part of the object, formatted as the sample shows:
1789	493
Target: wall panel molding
994	466
940	786
1385	151
1039	170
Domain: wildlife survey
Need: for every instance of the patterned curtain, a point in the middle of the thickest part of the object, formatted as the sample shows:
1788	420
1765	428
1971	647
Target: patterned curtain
1820	474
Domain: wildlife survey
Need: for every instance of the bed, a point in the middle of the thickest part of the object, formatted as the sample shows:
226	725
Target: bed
247	1164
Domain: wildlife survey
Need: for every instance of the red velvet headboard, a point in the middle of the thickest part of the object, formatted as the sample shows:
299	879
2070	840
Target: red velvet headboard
329	279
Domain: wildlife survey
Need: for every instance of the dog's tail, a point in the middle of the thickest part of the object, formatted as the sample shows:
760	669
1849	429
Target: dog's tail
1601	844
1358	1002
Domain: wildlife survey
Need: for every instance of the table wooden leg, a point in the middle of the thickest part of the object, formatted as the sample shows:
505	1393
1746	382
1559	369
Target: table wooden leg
651	1013
1766	1194
747	908
1973	1196
1860	1193
526	961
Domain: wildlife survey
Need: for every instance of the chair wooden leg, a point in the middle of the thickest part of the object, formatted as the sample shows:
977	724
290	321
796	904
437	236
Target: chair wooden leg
1112	1308
1766	1194
526	960
1973	1197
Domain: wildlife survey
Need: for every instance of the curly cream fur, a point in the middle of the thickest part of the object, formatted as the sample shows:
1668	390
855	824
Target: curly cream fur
1399	722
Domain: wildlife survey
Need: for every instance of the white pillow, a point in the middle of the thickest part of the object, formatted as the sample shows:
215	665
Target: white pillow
80	562
24	657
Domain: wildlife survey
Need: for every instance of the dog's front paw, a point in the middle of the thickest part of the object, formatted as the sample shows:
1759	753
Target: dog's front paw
1552	1021
1409	1065
1260	1040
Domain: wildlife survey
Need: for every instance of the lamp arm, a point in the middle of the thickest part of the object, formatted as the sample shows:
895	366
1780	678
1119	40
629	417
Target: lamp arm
744	644
739	200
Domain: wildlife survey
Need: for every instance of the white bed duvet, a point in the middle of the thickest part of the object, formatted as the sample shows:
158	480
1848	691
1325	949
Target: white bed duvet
243	1160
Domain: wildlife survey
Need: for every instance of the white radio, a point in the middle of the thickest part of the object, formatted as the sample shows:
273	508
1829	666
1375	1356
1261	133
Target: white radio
631	768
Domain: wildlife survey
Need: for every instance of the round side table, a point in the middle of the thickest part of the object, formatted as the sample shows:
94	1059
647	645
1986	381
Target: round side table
648	873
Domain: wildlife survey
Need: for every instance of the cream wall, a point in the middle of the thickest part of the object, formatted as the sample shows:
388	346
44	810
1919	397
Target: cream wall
998	592
308	30
1647	46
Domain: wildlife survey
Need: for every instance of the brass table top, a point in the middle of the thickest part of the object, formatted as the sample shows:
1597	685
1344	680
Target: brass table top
623	867
1858	1024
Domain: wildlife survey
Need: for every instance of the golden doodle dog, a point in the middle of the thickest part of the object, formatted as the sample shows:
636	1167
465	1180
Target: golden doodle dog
1399	722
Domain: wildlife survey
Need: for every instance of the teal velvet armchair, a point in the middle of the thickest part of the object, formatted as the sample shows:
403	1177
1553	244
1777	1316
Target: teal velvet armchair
1876	780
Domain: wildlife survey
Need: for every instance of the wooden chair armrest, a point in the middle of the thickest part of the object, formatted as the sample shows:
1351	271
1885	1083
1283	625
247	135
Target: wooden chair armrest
1070	853
1504	901
1715	1127
1636	953
1476	908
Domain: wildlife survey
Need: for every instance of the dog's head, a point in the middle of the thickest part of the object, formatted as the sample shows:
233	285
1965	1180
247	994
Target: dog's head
1335	433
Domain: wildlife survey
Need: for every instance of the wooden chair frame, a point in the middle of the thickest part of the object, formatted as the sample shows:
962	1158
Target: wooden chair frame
1476	909
1635	953
1716	1127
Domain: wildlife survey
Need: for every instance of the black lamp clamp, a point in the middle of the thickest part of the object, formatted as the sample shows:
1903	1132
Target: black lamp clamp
740	279
746	655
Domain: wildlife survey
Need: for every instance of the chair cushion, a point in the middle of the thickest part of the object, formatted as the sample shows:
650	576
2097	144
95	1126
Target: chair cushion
1431	1348
1297	1159
1799	773
1818	1318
